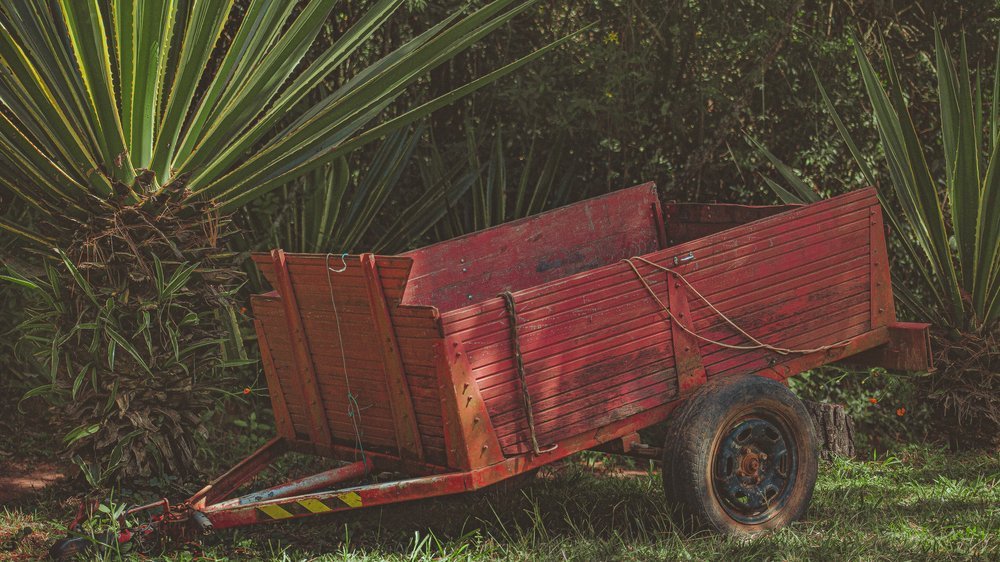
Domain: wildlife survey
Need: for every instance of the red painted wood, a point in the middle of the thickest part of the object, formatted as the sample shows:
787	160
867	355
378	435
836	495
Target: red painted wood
816	226
687	348
304	370
469	436
279	406
404	419
776	262
598	352
531	251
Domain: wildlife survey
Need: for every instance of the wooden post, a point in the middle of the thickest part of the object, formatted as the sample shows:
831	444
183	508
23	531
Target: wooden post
305	370
403	418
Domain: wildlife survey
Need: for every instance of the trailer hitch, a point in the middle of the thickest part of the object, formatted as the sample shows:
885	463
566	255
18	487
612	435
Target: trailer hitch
142	538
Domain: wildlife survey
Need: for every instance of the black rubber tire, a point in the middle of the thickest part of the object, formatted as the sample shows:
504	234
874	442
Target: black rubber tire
696	431
69	548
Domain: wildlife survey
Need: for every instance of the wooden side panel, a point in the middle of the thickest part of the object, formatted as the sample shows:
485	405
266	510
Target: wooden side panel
801	280
416	330
531	251
270	320
597	348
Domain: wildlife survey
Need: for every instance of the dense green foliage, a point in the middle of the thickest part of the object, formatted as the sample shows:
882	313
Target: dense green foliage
947	225
274	121
132	131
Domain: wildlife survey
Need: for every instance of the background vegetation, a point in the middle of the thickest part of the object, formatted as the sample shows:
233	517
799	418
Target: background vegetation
662	90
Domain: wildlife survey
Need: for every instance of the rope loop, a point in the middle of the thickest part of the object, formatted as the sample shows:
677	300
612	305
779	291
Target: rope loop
353	409
757	344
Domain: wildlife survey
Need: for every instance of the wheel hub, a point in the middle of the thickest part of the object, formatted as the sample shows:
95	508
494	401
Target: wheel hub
754	469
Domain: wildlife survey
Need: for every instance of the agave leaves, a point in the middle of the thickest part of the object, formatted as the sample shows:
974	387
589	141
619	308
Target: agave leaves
98	92
331	209
500	188
950	226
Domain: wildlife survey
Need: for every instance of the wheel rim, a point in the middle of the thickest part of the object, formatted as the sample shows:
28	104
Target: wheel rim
754	467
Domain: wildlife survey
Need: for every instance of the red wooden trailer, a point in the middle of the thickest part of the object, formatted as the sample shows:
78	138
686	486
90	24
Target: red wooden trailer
477	359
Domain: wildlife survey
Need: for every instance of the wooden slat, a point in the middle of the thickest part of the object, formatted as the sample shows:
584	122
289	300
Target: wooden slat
405	422
282	420
319	427
531	251
819	225
687	348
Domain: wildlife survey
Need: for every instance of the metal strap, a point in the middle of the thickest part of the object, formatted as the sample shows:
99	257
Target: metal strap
508	299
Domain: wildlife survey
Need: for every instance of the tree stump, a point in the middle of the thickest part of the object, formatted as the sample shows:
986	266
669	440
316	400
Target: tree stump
834	428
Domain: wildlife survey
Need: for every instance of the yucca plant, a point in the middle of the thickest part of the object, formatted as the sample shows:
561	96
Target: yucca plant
334	209
134	128
500	188
946	226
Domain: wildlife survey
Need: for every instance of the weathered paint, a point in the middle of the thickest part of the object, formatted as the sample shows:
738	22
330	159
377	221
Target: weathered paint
601	360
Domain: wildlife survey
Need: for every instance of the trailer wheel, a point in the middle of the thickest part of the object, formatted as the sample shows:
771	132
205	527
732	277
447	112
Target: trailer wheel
741	456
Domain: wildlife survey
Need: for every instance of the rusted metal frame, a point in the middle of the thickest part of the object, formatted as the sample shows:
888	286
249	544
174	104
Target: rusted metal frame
400	401
325	479
470	439
429	486
383	461
687	349
631	445
220	488
320	503
305	370
799	363
883	306
282	419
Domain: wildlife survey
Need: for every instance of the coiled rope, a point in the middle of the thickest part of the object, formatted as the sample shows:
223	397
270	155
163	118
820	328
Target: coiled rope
757	344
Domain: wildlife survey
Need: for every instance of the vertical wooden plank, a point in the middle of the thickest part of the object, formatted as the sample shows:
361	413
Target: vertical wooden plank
687	351
883	307
470	439
305	371
400	401
282	419
661	227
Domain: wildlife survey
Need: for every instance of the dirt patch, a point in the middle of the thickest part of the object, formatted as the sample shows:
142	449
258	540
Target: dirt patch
19	480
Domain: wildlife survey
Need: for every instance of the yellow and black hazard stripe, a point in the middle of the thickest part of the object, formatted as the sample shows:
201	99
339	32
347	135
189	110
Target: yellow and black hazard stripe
310	506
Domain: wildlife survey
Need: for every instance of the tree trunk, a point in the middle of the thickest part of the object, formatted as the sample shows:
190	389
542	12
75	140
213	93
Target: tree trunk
834	428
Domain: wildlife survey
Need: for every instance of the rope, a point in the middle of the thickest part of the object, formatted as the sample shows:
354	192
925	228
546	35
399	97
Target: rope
353	408
508	299
757	343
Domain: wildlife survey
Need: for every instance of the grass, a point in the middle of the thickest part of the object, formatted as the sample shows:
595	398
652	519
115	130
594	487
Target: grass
919	504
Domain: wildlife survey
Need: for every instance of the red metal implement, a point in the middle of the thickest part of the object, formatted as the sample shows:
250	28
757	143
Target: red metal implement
423	344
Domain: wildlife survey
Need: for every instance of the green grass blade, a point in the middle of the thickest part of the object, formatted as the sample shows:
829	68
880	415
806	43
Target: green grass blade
209	166
33	101
152	29
357	102
911	179
253	90
256	36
